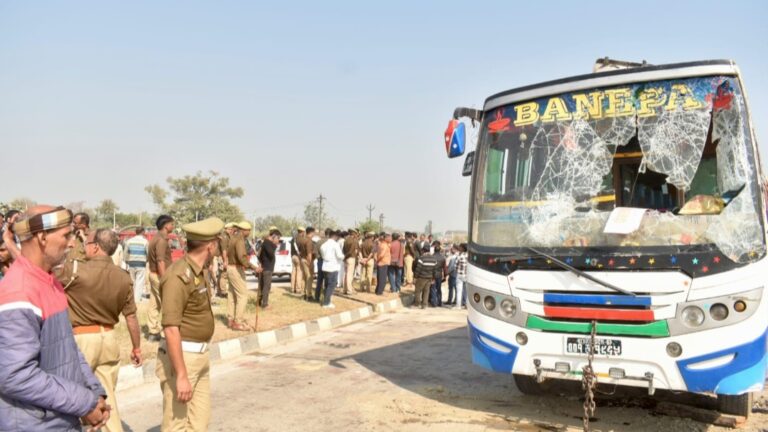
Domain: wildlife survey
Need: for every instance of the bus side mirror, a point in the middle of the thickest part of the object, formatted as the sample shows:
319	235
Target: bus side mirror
455	138
469	163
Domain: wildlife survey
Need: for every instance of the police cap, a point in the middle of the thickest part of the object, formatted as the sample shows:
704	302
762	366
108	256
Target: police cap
204	230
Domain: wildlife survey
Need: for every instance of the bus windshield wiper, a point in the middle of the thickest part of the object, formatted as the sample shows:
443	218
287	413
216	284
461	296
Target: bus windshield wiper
581	273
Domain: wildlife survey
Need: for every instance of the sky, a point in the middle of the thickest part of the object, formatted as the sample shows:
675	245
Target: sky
290	100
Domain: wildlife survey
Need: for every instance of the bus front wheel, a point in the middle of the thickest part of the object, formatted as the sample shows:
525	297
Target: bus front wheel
740	405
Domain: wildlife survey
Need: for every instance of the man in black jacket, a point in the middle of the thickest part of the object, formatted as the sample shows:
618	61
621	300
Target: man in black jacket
424	272
441	272
267	261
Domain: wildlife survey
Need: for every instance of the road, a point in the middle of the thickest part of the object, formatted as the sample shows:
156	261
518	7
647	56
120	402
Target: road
404	371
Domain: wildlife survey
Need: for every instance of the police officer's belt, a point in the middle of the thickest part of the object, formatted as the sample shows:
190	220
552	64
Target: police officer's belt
187	346
96	328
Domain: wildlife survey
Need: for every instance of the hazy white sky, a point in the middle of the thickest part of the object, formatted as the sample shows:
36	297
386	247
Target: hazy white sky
99	99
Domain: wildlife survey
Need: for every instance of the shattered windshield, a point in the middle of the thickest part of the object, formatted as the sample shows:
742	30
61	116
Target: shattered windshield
552	170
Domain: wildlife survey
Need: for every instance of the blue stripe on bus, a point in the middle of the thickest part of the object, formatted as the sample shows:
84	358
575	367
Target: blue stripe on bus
746	371
597	299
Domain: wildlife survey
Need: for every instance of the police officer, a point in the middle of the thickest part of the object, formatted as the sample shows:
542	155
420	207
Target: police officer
159	259
297	278
306	253
238	262
81	223
366	262
351	249
98	292
183	366
220	261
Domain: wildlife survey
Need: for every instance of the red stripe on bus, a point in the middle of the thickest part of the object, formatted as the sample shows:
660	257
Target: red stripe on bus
604	314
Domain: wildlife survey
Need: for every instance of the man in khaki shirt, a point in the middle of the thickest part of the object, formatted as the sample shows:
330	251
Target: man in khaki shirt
351	250
98	292
183	365
159	259
366	262
237	255
306	254
297	277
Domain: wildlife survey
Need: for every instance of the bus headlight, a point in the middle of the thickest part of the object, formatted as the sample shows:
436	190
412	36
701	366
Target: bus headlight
489	303
507	308
692	316
718	312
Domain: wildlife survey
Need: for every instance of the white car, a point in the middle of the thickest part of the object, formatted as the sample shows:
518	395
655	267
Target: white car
283	265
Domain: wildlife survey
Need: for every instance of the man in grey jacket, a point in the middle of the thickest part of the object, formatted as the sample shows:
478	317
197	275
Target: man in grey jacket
45	383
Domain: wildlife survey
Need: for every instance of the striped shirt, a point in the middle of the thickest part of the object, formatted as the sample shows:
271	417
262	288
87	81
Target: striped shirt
461	265
136	251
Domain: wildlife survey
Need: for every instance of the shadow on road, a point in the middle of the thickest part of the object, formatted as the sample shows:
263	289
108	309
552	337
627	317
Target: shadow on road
439	367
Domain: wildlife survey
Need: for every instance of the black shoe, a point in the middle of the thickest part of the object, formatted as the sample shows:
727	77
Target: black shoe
154	337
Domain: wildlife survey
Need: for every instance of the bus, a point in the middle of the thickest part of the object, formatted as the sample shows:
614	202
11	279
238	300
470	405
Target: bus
617	229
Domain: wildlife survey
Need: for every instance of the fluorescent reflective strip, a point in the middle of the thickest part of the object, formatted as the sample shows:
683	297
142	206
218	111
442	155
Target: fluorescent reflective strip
597	299
21	305
494	345
712	363
594	313
654	329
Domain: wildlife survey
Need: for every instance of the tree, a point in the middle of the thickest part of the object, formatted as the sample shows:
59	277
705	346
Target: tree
105	212
21	204
368	226
284	224
198	197
312	217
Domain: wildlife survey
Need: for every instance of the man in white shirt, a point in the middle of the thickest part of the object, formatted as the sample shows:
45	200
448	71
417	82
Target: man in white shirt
332	257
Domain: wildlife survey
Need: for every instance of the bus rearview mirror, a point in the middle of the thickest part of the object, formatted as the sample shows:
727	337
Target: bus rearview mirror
455	138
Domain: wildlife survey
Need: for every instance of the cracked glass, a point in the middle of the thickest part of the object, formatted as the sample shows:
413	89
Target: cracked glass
551	170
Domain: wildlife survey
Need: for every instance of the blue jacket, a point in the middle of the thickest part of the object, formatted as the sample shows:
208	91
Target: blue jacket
45	383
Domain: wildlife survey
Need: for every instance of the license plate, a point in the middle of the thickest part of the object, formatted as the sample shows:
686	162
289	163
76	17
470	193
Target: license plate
603	347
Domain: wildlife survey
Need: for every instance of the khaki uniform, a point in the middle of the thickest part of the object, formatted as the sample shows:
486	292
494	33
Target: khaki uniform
223	251
98	292
351	249
367	262
306	248
410	256
237	298
158	251
297	277
186	305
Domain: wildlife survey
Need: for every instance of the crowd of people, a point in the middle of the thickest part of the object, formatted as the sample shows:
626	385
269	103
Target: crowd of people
64	286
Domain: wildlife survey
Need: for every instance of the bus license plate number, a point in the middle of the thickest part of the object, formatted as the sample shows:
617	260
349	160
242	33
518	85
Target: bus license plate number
603	347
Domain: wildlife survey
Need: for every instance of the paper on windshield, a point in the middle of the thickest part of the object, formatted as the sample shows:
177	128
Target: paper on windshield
624	220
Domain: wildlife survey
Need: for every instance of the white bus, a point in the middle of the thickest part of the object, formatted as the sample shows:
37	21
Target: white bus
629	203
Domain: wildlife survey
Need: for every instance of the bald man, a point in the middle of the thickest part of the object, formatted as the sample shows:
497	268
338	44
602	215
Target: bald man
45	383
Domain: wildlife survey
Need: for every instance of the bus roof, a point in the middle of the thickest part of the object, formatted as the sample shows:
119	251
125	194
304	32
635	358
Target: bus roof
612	78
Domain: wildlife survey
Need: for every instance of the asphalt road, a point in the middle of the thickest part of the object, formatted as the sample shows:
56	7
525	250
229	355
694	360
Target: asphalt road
403	371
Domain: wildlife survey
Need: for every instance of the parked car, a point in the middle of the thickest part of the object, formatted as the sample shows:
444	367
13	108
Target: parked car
283	265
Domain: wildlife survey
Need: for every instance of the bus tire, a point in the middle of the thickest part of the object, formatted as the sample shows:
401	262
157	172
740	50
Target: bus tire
528	385
740	405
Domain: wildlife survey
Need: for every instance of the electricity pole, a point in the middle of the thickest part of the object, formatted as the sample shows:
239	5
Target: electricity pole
370	208
320	212
381	222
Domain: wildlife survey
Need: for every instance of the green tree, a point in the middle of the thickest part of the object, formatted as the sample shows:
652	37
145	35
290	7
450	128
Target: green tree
367	226
312	217
104	213
21	204
197	197
284	224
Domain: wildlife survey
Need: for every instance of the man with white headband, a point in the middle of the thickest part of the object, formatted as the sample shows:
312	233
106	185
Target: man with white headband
45	384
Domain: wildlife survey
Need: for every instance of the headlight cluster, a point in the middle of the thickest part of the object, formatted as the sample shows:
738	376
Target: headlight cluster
496	305
715	312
